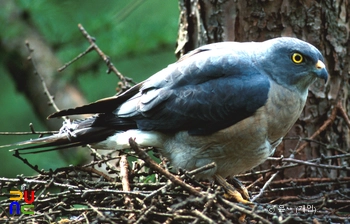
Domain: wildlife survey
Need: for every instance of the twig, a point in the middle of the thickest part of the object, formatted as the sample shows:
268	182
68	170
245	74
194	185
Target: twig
198	214
25	161
100	158
330	120
192	172
93	170
309	180
46	90
124	174
243	210
267	170
86	193
125	81
322	128
201	169
309	163
153	165
95	209
265	186
90	48
28	133
86	218
255	182
303	187
317	142
209	204
144	214
343	113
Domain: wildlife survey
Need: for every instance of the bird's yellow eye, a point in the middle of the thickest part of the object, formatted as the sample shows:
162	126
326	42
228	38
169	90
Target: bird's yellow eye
297	58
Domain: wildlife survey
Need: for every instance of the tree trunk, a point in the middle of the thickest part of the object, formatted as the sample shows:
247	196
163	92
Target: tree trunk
326	25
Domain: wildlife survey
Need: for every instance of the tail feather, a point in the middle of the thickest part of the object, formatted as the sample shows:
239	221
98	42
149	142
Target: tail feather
77	133
106	105
42	148
43	141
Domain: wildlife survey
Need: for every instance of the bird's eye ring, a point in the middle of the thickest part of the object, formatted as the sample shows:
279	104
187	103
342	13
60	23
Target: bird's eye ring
297	58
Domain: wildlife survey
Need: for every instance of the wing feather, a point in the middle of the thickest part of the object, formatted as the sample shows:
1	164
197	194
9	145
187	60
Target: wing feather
212	89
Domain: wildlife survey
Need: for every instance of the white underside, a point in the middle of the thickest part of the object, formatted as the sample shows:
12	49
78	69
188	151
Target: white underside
143	138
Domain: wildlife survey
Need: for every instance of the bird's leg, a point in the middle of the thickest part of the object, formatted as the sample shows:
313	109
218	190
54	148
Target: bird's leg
241	188
240	194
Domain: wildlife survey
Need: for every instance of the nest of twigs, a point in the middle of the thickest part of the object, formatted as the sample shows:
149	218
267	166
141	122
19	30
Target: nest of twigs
145	192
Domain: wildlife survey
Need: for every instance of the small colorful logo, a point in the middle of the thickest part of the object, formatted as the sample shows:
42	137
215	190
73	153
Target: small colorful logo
26	209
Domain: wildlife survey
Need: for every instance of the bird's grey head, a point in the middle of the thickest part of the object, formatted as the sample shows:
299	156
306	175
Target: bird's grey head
291	62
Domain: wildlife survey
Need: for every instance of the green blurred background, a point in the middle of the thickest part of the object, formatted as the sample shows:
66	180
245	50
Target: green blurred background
138	35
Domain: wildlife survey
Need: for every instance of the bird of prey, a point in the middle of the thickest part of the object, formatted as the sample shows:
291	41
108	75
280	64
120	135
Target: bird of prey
230	103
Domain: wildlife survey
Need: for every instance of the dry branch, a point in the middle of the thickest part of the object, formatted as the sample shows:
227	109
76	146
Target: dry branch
102	198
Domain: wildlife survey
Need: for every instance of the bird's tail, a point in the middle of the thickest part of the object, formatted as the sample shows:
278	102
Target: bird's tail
76	133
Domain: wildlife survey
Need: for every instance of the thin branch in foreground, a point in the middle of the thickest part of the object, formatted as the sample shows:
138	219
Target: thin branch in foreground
265	186
124	174
186	174
144	214
99	157
327	146
153	165
295	162
46	90
343	113
243	210
125	82
198	214
93	170
89	49
25	161
28	132
328	122
311	163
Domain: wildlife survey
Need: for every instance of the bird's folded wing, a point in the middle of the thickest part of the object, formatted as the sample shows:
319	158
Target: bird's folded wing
212	89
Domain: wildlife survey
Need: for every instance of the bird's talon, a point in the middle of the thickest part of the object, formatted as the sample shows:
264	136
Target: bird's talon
237	196
240	194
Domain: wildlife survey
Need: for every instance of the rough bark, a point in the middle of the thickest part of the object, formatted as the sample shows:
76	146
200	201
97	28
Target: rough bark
325	24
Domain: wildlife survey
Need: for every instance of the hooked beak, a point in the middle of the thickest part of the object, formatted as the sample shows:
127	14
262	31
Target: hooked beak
321	70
